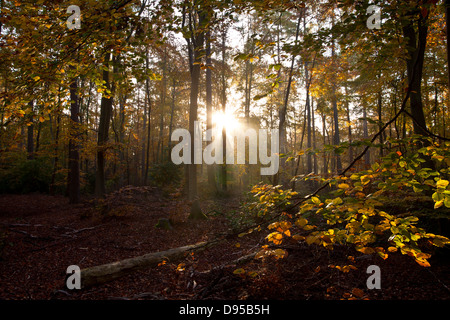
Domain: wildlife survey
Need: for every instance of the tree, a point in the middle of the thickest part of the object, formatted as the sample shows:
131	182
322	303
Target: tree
196	16
416	39
74	154
103	128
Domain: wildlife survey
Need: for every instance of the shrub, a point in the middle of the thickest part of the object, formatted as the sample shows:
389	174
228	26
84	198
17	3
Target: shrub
353	213
26	176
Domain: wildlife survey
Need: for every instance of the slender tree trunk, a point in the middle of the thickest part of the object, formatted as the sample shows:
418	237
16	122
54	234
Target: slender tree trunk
309	164
30	131
147	156
366	135
210	168
313	135
160	146
195	45
336	137
324	134
56	149
447	26
144	128
224	107
350	138
74	153
103	131
380	121
172	110
416	43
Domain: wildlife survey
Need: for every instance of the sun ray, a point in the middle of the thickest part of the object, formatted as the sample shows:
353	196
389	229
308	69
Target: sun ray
225	119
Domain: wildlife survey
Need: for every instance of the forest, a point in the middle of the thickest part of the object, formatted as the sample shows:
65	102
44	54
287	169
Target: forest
224	150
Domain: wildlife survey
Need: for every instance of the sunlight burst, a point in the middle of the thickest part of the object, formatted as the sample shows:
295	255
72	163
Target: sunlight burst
225	119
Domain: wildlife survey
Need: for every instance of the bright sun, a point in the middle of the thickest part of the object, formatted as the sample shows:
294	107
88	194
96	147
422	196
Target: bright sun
225	119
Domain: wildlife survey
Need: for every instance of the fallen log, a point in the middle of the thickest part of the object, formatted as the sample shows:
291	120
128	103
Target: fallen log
110	271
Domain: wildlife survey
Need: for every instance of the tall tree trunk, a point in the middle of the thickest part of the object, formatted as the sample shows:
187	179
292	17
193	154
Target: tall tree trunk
324	134
309	164
336	137
366	135
74	153
30	131
350	138
56	149
416	43
172	111
195	46
380	121
447	25
283	109
103	130
147	156
210	168
196	52
314	136
224	108
160	146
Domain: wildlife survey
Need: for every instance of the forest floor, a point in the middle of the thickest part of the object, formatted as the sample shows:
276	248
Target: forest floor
42	235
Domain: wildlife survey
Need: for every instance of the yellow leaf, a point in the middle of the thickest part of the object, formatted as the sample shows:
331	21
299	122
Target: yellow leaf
275	237
180	267
41	119
36	78
298	237
365	180
311	239
237	245
301	222
343	186
366	250
392	249
438	204
252	273
315	200
239	271
442	183
280	253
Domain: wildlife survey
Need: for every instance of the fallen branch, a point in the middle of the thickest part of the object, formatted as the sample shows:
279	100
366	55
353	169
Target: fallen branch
110	271
81	230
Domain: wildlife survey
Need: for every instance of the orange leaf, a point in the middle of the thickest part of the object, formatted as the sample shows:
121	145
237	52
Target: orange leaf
358	292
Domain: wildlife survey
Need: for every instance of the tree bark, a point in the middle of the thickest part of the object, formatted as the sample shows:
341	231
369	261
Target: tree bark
210	168
103	131
30	130
224	108
74	153
447	31
416	43
110	271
